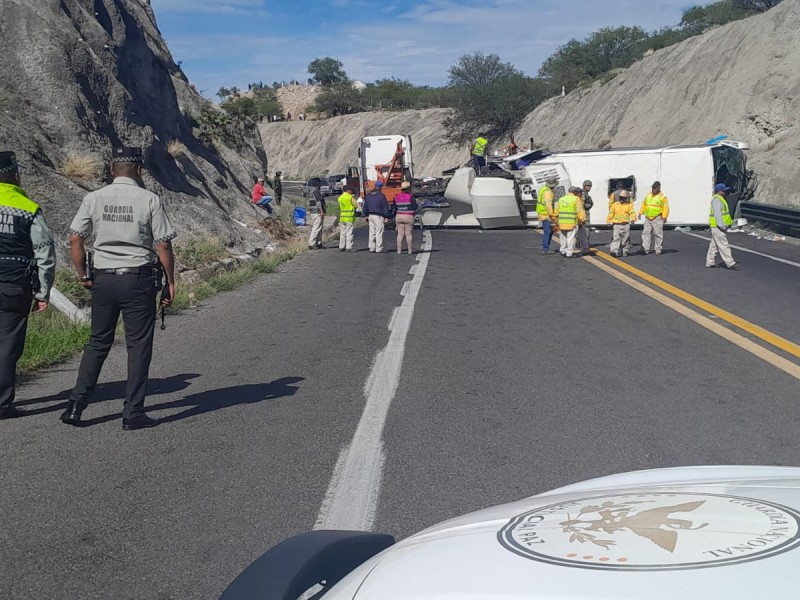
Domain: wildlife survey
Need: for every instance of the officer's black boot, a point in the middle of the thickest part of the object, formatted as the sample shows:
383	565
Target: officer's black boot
72	416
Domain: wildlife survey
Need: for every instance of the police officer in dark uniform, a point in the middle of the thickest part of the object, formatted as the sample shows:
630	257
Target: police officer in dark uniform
277	186
133	249
27	270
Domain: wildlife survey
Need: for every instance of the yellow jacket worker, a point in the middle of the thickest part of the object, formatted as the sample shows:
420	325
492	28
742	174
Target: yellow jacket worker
621	215
569	214
655	210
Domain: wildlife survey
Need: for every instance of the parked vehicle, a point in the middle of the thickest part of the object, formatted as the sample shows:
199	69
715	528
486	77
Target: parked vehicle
693	533
387	159
312	183
337	183
504	194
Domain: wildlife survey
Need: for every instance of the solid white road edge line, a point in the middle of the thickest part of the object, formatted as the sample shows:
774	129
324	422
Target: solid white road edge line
775	258
352	497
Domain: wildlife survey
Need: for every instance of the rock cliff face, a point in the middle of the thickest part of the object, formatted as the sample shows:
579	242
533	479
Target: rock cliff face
305	149
740	80
82	75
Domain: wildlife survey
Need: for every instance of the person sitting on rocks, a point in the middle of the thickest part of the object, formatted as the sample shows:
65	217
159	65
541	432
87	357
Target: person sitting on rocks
260	197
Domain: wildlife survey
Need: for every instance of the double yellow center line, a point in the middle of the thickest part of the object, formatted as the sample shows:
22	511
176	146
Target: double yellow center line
743	342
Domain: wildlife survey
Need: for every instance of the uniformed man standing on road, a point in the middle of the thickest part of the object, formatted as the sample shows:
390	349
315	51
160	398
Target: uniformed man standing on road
27	270
655	210
620	217
347	218
544	210
569	214
316	210
583	228
277	187
132	232
720	220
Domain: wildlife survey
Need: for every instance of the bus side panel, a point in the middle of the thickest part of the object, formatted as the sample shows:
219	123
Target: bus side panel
687	179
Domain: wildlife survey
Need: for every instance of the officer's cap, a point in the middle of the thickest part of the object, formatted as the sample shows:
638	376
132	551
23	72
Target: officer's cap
127	154
8	162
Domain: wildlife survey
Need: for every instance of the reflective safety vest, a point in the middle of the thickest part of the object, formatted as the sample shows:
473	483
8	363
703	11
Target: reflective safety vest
568	212
726	213
479	149
17	212
654	205
347	212
541	202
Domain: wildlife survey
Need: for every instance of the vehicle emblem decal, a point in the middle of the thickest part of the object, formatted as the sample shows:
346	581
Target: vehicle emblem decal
653	531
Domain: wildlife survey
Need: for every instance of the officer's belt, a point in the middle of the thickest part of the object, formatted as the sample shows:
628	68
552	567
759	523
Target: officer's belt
127	271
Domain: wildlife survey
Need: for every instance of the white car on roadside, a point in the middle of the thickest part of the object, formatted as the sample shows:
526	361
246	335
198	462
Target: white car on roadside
691	533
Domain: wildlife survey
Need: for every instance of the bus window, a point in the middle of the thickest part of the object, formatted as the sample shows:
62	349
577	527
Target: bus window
622	183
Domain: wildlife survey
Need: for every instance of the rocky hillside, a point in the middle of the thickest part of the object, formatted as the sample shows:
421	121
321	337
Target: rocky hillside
297	99
82	75
741	80
304	149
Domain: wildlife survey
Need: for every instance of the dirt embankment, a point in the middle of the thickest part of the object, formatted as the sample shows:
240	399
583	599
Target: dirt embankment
740	80
305	149
79	77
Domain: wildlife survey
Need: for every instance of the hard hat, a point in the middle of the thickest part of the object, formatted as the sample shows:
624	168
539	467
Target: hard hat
624	194
405	185
552	182
378	185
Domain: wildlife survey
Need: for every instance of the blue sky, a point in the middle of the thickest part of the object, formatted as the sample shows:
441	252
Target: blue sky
234	42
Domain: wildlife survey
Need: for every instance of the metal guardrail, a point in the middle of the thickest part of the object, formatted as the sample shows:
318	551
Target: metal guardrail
771	214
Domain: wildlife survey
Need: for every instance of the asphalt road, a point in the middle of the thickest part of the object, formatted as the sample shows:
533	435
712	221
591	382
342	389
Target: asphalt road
521	372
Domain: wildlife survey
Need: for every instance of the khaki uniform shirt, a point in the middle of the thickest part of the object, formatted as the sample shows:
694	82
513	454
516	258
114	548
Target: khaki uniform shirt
127	222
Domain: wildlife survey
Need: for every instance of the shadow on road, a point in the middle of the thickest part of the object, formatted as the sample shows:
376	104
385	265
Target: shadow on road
205	402
111	391
213	400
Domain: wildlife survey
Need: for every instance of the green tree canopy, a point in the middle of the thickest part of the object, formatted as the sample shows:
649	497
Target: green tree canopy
578	63
327	71
757	5
696	19
490	97
340	99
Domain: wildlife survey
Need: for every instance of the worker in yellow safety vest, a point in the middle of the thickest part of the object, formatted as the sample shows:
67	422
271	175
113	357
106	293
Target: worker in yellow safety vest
655	210
614	196
347	218
479	153
569	214
620	217
720	220
544	210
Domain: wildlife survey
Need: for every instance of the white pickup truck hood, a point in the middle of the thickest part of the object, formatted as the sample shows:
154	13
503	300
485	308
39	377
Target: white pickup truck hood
694	533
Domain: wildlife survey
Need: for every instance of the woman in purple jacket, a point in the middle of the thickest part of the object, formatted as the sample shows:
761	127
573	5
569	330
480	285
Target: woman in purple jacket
406	207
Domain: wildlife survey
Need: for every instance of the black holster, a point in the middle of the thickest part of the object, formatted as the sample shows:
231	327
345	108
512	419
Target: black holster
33	275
